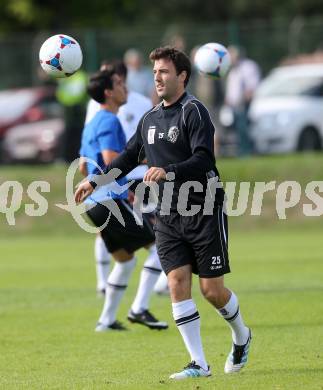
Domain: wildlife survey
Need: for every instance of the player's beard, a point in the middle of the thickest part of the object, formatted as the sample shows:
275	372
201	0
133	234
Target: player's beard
163	94
167	94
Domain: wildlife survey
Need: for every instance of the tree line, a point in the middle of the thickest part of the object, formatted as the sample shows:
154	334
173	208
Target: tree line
35	15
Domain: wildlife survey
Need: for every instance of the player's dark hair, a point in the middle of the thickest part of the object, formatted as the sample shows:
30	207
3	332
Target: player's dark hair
99	82
118	65
179	59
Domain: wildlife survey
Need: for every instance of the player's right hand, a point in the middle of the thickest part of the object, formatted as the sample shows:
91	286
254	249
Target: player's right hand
83	191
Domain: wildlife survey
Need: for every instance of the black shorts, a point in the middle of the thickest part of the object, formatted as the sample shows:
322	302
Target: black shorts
116	236
199	240
133	187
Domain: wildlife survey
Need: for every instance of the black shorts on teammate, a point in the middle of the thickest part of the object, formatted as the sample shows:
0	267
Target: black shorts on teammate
130	237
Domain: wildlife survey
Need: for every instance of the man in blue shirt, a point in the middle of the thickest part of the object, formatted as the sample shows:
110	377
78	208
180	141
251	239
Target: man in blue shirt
129	115
103	140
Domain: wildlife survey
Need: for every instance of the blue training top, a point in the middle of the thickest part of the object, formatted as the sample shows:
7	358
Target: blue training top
103	132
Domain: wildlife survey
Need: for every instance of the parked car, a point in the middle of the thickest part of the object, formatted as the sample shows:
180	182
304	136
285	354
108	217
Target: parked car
286	113
31	125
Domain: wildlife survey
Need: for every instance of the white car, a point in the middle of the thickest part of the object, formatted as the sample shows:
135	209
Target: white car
286	113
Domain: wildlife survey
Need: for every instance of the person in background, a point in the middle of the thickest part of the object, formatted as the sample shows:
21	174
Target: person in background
210	92
71	94
242	81
129	115
103	139
139	77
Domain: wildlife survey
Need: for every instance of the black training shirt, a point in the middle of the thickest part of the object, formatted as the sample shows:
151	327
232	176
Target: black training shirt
180	139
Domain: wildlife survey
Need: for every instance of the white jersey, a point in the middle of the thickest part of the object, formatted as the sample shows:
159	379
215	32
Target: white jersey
129	115
242	78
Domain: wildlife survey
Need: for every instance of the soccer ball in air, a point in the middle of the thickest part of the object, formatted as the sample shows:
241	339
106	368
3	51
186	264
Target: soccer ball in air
60	56
212	59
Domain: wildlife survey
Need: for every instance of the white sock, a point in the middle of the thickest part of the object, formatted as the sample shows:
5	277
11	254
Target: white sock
102	262
231	313
116	286
161	285
187	319
148	278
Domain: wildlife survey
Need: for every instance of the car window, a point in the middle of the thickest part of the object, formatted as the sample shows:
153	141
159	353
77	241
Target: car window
283	85
14	103
316	90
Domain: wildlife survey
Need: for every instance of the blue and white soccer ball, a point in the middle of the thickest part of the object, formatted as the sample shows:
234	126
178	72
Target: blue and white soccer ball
213	60
60	56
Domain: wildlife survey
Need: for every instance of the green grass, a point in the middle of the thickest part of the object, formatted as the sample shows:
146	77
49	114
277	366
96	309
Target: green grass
299	167
48	311
48	307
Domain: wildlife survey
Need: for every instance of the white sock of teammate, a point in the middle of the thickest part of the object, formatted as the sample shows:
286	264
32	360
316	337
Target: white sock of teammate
187	319
148	278
231	313
116	286
102	262
161	286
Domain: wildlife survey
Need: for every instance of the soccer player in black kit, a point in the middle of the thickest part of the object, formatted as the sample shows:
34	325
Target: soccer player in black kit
176	137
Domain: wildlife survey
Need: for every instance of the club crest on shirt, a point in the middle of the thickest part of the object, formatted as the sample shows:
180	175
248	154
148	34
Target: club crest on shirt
173	133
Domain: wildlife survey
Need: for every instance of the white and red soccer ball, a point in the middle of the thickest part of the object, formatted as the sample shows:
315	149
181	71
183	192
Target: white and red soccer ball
60	56
213	60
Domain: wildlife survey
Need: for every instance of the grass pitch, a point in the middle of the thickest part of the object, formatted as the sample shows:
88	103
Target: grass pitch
48	306
48	310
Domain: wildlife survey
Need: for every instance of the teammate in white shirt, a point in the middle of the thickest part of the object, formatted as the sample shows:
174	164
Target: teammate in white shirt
242	82
129	115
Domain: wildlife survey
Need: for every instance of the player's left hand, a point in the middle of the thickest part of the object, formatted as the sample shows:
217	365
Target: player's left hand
154	174
83	191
